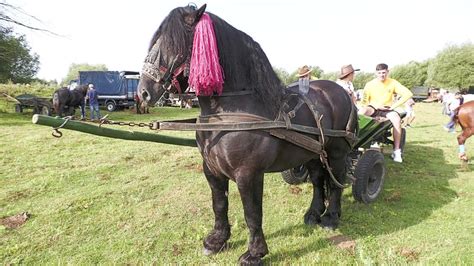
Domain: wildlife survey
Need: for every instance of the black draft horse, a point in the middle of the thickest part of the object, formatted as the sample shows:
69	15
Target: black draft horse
251	87
65	101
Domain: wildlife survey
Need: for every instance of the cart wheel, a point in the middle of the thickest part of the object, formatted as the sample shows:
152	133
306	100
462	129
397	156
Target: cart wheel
295	176
45	110
18	108
403	138
370	174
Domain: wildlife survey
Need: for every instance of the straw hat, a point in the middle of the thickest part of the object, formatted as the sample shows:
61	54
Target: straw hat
303	71
346	70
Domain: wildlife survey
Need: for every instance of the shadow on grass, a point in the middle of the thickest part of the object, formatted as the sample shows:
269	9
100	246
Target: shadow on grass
412	191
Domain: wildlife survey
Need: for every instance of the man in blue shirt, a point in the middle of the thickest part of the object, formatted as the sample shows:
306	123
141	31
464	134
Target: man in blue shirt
93	102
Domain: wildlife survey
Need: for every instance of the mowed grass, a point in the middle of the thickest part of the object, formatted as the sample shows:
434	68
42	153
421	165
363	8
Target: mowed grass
98	200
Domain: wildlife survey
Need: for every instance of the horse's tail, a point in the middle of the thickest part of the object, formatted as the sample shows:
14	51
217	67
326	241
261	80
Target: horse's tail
56	102
456	117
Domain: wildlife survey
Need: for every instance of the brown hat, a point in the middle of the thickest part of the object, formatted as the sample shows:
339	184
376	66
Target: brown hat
303	71
346	70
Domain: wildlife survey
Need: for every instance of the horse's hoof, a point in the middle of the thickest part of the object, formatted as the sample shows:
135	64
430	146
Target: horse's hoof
463	157
248	259
311	218
207	252
329	223
214	249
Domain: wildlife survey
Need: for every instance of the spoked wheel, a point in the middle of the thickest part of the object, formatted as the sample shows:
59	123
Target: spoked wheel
295	176
370	175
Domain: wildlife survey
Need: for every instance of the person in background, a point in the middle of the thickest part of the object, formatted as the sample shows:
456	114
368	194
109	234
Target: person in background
345	80
304	75
93	102
452	106
378	102
409	109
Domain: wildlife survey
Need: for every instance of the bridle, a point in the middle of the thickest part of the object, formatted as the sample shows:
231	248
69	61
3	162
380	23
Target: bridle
167	77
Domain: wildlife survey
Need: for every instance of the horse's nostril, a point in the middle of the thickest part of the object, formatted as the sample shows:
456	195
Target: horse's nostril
145	95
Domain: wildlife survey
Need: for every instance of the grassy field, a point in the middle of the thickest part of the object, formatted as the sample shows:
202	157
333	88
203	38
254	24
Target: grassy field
97	200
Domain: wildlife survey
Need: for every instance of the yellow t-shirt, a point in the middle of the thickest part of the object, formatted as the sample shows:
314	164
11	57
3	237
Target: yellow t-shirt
378	93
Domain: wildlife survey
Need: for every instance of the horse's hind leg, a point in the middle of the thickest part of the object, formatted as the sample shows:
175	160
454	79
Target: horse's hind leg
216	240
251	193
317	207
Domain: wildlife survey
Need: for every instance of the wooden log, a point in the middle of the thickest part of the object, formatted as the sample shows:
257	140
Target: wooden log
110	132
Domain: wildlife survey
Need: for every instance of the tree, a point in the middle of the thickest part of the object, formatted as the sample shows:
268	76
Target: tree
283	75
330	75
361	78
412	74
17	62
74	69
453	67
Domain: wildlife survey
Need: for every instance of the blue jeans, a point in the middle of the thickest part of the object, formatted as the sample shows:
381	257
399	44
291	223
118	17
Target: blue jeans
95	110
451	123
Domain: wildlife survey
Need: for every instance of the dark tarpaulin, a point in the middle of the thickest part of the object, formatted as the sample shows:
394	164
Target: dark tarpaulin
105	82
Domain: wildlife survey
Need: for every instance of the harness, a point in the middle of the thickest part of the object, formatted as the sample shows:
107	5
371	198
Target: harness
281	127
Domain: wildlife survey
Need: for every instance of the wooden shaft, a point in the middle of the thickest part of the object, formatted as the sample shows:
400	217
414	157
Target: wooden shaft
109	132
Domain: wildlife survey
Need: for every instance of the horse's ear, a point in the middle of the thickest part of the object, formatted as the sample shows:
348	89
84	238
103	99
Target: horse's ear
195	16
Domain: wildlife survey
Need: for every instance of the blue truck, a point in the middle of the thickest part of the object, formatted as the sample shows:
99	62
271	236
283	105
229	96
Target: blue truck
116	90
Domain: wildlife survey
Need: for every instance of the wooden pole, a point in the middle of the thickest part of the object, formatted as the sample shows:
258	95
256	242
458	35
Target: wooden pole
109	132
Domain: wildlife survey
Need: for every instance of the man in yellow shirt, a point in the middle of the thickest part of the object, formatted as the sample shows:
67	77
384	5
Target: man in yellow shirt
378	100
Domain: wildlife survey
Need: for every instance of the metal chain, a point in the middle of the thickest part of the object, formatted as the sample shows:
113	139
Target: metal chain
103	121
106	121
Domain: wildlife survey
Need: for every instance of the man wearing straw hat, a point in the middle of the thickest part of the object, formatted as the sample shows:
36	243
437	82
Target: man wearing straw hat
304	77
345	80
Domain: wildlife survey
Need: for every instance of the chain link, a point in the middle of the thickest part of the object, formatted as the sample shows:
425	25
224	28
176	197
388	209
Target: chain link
106	121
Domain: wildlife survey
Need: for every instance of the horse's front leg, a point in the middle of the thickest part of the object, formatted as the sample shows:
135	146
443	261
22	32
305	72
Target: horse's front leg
330	218
216	240
251	193
466	133
317	207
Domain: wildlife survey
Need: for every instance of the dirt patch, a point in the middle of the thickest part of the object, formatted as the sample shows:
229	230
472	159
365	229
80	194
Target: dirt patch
15	221
343	242
295	190
395	196
194	167
409	254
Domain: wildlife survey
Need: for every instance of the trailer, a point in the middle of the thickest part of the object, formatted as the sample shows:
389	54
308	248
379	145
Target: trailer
40	105
116	90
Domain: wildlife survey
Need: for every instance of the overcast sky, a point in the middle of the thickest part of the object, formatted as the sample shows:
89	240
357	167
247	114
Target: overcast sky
292	33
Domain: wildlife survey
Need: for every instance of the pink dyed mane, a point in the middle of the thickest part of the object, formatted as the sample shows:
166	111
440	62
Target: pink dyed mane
205	75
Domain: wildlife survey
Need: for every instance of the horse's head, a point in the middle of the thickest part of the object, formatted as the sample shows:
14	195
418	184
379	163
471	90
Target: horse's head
166	66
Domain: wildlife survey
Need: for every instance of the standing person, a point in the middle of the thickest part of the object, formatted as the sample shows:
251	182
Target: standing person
410	112
93	102
452	106
304	75
378	101
345	80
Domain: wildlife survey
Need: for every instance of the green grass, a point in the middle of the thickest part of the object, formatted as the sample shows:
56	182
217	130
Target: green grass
99	200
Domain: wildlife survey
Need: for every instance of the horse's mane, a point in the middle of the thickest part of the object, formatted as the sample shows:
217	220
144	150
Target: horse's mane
244	63
175	35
